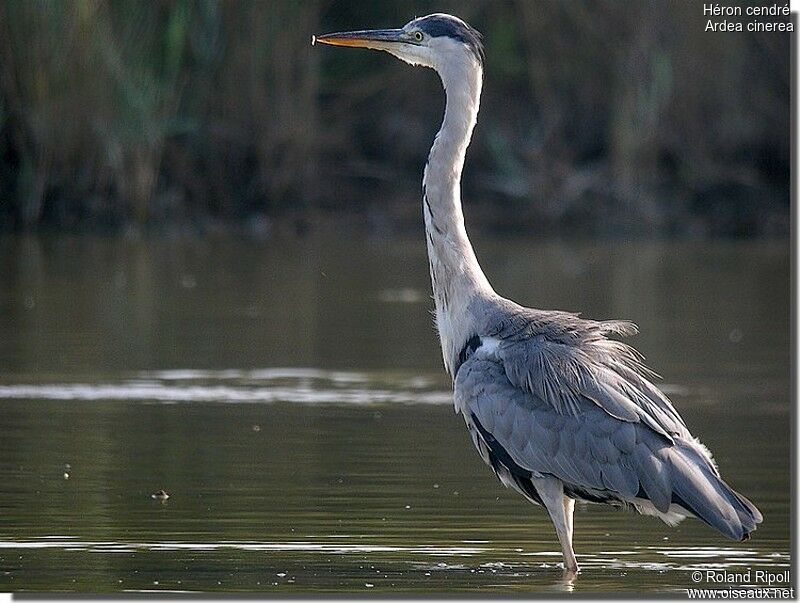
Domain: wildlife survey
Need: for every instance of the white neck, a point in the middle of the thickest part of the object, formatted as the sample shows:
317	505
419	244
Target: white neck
456	276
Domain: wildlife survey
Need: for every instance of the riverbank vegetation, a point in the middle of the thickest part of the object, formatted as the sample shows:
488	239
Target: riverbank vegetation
598	117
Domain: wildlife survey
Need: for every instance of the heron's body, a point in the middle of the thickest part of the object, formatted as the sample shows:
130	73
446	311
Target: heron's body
557	409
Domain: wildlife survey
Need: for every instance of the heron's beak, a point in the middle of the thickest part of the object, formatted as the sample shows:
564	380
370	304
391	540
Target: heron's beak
378	39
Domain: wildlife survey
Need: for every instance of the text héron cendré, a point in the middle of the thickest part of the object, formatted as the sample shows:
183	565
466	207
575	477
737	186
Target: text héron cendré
752	11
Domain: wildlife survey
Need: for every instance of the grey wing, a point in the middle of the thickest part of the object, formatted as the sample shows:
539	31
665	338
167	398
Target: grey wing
565	360
598	457
590	450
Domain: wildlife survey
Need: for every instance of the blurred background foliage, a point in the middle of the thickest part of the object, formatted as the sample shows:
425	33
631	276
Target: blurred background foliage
599	117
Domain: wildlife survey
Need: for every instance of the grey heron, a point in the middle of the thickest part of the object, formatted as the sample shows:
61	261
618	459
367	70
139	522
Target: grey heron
560	411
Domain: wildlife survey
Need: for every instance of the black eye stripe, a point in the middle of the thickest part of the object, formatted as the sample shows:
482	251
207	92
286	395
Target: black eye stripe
438	25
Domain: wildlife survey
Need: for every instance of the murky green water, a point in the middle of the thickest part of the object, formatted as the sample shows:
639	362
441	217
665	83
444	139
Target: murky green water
288	395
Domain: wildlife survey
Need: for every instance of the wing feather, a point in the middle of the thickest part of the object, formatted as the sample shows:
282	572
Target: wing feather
585	450
565	360
553	396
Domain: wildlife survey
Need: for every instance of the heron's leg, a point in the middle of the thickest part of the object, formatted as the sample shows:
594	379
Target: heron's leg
551	491
569	511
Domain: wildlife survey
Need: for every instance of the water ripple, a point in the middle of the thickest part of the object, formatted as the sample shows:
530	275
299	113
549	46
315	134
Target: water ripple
712	557
296	385
68	544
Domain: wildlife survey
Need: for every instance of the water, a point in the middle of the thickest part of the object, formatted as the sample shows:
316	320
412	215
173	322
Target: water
288	396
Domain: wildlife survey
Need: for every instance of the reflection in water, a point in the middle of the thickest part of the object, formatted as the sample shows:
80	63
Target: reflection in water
150	365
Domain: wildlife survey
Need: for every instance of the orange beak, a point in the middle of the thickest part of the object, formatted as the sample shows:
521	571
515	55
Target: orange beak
370	38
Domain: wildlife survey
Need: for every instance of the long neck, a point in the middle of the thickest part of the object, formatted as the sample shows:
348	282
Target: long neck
456	276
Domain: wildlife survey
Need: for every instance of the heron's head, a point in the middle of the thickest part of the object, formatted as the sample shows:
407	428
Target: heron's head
438	41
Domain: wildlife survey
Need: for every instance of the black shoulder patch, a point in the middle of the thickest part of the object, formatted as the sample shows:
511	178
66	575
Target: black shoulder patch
473	343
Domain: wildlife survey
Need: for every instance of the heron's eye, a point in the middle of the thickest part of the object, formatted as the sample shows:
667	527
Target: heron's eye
418	36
